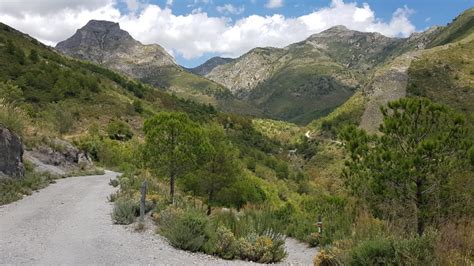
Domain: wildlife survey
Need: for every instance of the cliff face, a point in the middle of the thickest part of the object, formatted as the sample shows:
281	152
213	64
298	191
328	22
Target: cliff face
105	43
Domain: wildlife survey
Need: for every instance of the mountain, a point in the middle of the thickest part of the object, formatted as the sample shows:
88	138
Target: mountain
436	64
59	95
104	43
307	80
209	65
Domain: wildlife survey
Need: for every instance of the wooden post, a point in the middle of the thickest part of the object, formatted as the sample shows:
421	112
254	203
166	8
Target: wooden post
319	224
142	201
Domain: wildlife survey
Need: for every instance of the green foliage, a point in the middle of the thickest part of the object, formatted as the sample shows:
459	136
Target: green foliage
373	252
421	145
218	171
137	106
34	57
13	118
226	245
124	211
14	189
119	130
60	117
174	144
184	229
10	93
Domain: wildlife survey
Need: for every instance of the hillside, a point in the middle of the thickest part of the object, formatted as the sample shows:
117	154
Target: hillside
209	65
104	43
65	96
307	80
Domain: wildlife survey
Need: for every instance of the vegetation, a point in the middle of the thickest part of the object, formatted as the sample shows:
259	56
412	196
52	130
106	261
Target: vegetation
422	143
14	189
174	145
238	186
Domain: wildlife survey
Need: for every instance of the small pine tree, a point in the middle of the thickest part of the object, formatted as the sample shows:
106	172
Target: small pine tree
11	47
34	57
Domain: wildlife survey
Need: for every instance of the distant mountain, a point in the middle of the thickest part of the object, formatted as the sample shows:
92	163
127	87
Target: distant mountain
104	43
209	65
436	64
309	79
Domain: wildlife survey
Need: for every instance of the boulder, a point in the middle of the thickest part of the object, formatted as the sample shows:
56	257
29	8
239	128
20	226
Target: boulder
61	154
11	154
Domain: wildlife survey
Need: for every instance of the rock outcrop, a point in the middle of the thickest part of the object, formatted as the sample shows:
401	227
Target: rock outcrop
209	65
11	154
62	155
105	43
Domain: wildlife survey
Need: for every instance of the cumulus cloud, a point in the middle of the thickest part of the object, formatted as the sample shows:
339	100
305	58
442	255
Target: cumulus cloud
274	3
197	33
230	9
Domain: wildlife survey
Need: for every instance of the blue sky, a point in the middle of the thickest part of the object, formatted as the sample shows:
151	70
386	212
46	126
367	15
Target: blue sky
195	30
426	12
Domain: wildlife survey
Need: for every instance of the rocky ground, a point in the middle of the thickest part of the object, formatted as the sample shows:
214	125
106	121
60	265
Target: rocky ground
69	223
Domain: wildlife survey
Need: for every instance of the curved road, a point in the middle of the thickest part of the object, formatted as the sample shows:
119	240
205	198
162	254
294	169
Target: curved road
69	223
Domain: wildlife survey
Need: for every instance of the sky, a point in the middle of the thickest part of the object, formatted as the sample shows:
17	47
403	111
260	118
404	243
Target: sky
196	30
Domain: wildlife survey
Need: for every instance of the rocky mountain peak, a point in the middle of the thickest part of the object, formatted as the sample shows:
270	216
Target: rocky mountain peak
104	42
96	39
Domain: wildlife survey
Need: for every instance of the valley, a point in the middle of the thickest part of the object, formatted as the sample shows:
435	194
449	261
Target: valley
346	148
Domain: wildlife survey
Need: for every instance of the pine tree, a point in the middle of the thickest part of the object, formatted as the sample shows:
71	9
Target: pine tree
410	161
174	145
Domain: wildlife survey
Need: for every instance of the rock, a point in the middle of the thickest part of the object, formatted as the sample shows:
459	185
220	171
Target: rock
11	154
105	43
61	154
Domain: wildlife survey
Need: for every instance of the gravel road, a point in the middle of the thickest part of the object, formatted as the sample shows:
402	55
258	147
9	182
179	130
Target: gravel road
69	223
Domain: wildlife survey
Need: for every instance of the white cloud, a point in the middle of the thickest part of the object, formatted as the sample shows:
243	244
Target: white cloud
230	9
169	3
274	3
195	34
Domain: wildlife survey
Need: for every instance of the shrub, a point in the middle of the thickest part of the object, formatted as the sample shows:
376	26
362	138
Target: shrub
373	252
14	189
119	130
326	258
261	249
226	244
137	106
184	229
12	117
124	211
417	250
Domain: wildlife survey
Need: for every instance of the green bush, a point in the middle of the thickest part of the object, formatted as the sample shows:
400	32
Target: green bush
124	211
261	249
373	252
185	230
226	244
416	250
119	130
14	189
12	117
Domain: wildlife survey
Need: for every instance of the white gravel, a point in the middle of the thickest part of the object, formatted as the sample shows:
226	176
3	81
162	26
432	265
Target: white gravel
69	223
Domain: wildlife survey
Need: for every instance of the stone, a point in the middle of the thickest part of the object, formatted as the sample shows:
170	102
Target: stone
11	154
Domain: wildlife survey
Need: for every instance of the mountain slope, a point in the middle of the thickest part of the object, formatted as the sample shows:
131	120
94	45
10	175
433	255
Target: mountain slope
443	73
59	95
103	42
307	80
209	65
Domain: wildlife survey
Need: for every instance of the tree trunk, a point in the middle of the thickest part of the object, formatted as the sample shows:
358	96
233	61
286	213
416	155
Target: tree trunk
419	206
172	187
209	208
